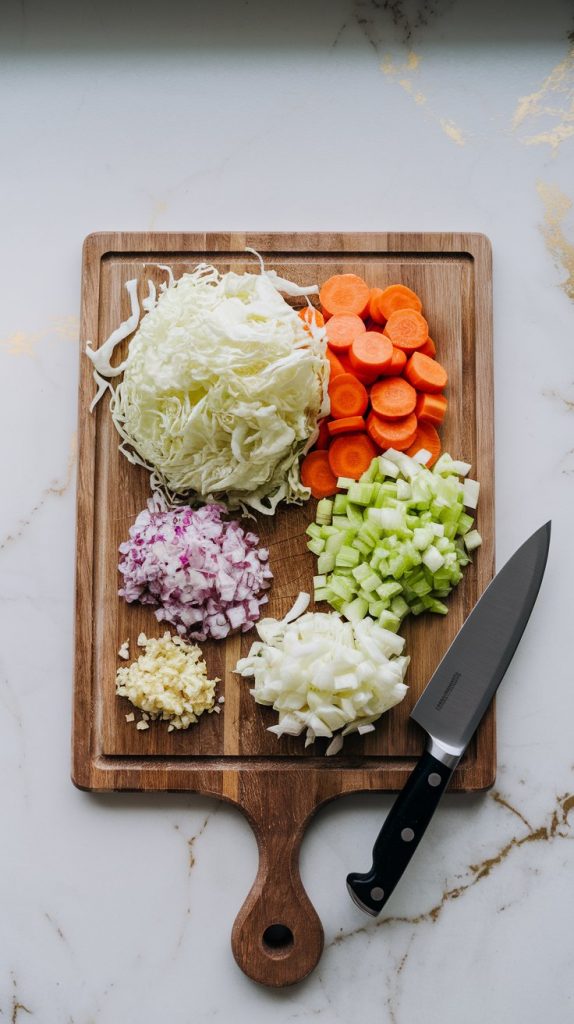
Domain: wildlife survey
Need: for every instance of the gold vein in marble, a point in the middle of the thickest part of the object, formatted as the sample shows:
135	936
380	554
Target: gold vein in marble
17	1007
57	489
558	827
550	108
397	72
556	208
25	343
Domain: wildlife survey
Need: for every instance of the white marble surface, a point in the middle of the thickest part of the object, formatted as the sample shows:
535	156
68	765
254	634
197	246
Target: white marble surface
365	115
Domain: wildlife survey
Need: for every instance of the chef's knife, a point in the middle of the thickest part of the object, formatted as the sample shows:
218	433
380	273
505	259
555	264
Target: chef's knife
450	709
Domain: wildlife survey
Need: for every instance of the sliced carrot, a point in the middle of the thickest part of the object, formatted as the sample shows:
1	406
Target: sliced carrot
425	374
431	408
407	329
429	348
374	296
323	440
397	364
394	398
351	454
335	364
398	434
348	396
348	425
317	474
344	293
396	296
311	315
342	329
365	378
426	437
371	353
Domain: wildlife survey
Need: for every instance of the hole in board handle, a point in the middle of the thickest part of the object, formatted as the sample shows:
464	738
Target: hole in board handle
277	940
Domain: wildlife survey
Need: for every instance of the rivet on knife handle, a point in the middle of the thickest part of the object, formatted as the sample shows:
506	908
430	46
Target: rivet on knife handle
399	837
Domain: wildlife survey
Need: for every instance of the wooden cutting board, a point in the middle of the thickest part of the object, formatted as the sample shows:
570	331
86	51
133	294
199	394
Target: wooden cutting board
278	784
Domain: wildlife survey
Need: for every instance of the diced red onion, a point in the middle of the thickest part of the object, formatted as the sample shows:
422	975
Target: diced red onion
206	575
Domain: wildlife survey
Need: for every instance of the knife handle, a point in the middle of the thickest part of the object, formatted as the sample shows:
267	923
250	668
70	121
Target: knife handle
401	833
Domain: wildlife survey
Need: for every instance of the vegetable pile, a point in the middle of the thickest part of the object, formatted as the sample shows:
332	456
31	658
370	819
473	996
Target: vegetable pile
222	388
207	576
397	541
323	675
385	384
168	681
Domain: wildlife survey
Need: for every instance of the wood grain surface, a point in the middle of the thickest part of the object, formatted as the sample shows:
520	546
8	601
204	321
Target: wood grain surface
278	784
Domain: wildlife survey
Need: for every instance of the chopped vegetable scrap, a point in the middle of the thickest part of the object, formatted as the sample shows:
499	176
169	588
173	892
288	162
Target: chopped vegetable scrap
207	576
325	676
168	681
397	541
384	378
222	387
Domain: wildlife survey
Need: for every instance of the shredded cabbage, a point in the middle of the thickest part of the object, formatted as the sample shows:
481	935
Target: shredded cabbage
222	388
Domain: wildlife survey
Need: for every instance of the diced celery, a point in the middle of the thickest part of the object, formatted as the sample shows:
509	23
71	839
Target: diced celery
332	544
341	521
355	610
389	621
325	562
399	607
369	475
347	556
342	587
472	540
340	504
387	468
465	523
324	511
316	546
361	493
433	558
313	530
376	607
389	588
344	482
397	541
354	514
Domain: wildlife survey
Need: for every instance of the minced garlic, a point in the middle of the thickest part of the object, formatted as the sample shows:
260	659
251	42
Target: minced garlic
168	681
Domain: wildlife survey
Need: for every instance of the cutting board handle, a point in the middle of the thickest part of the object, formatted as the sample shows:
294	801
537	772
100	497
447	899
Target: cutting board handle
277	937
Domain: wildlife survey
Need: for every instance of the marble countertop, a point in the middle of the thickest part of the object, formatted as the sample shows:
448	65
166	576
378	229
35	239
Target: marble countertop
343	116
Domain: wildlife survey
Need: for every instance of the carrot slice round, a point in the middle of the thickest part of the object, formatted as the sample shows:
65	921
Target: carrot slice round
310	315
398	434
371	353
397	364
344	293
428	349
348	425
407	329
334	363
396	296
317	474
431	408
425	374
351	455
365	378
348	396
374	297
427	438
393	398
342	329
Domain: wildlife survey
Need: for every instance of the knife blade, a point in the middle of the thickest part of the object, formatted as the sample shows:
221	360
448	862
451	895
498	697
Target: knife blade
450	709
